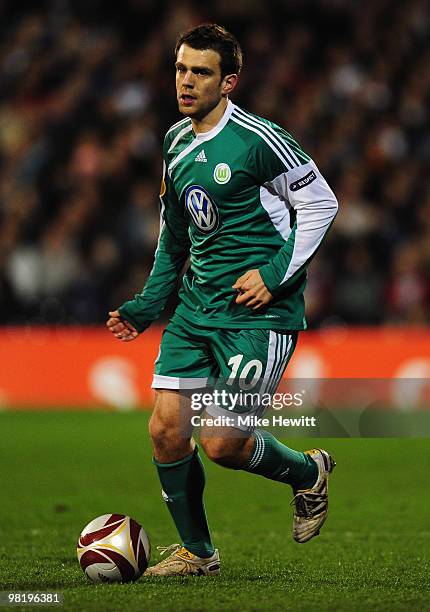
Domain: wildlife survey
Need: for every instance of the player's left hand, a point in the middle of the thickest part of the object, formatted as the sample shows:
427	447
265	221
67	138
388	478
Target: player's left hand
253	293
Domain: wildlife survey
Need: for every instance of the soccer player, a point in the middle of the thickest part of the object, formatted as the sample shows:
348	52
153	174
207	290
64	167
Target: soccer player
249	208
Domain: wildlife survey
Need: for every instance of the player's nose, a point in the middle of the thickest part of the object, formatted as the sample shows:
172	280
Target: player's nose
188	79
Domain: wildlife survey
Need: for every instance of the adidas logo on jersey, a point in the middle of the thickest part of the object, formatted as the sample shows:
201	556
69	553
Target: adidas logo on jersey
201	157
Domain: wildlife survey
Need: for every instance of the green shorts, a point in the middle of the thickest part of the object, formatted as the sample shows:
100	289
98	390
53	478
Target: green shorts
193	357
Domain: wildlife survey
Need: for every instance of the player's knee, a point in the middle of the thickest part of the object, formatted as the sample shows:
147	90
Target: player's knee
168	446
160	431
224	451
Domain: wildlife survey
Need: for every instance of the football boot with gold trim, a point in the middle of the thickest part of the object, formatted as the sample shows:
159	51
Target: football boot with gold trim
182	562
311	505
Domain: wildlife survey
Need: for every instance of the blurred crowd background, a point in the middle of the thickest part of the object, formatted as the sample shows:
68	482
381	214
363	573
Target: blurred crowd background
87	92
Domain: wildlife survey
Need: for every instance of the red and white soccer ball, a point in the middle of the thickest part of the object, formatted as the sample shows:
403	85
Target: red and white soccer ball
113	548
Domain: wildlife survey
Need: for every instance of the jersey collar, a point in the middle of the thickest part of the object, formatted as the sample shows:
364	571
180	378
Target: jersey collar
204	136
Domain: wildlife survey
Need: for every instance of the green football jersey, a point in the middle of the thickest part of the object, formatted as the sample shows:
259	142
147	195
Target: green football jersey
242	196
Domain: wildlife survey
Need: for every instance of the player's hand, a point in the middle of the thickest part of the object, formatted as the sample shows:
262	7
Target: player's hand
253	293
121	329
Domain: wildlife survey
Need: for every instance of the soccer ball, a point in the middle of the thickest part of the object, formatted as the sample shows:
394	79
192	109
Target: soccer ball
113	548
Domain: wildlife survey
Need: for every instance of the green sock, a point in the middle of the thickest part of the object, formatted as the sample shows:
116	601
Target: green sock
183	483
274	460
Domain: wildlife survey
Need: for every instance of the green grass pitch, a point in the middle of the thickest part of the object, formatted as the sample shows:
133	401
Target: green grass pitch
60	470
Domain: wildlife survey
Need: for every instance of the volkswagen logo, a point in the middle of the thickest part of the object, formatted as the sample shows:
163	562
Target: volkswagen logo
202	209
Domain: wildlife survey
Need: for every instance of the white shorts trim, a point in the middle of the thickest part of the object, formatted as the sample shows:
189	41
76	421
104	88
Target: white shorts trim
172	382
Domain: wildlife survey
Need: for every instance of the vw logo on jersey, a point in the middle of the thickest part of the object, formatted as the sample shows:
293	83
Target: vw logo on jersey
202	208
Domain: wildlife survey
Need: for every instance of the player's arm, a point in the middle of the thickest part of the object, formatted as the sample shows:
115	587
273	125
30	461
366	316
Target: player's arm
315	206
289	179
134	316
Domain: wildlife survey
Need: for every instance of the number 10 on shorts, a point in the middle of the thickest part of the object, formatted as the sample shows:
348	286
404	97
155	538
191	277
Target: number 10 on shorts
253	367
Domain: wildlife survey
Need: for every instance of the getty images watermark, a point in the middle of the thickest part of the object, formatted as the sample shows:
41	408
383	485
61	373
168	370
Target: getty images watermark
247	408
310	407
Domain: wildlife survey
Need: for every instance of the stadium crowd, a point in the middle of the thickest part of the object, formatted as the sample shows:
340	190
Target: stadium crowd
87	91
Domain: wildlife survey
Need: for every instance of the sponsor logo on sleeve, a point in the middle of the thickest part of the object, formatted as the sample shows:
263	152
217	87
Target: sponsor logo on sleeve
304	181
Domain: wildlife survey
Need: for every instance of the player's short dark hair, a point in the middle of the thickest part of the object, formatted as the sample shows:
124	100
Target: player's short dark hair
215	37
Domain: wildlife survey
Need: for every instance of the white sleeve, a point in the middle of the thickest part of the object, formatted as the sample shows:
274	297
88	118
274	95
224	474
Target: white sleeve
315	204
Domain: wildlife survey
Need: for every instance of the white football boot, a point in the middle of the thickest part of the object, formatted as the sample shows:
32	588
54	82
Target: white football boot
181	562
311	505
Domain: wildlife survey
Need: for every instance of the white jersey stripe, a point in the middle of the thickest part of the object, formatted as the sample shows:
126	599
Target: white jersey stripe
274	145
271	134
176	125
266	140
178	136
193	145
278	210
275	136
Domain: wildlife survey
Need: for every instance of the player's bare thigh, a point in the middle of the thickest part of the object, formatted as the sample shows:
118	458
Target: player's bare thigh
168	426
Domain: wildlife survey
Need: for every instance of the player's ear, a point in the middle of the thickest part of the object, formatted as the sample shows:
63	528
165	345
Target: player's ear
229	83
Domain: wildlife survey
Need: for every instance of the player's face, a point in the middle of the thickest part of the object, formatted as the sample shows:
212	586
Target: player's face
199	85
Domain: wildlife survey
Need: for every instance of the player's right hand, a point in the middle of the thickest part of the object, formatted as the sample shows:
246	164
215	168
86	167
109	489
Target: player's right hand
121	329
